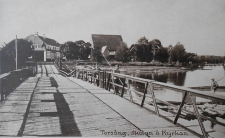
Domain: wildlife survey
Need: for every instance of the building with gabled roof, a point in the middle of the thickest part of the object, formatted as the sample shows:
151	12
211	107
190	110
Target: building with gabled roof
44	49
111	41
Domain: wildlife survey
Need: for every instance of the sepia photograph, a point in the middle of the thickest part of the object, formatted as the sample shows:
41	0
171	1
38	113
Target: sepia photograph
112	68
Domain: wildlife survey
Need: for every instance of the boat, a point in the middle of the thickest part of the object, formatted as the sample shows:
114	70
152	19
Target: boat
208	88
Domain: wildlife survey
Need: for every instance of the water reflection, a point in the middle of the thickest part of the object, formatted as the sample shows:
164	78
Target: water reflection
186	78
176	78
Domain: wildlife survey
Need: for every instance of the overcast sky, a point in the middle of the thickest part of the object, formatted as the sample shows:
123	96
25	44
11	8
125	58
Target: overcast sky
197	24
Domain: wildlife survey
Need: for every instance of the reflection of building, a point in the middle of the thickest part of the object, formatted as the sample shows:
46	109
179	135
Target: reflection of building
44	49
111	41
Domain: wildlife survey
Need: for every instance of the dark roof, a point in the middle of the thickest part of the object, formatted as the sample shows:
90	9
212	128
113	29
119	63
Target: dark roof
111	41
40	40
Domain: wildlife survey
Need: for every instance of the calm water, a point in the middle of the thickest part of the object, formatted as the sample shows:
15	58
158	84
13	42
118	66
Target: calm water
182	78
186	78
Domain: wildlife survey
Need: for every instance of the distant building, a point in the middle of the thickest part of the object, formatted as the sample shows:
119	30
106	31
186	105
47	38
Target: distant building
133	50
44	49
111	41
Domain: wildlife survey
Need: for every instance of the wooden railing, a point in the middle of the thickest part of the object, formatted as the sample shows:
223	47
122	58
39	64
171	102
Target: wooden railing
121	85
9	81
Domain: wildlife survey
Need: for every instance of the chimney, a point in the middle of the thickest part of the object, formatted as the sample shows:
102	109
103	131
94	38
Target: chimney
44	36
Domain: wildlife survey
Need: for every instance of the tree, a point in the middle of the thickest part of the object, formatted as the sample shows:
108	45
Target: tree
122	53
178	53
97	55
155	46
79	43
143	50
142	41
191	57
70	50
85	51
162	55
8	55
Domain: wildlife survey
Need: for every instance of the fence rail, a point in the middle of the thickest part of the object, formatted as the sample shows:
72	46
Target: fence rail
115	81
9	81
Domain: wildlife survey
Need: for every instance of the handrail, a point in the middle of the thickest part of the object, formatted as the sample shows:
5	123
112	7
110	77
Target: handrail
105	79
9	81
178	88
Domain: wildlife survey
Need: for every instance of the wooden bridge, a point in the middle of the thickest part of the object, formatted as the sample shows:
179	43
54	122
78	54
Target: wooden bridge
49	104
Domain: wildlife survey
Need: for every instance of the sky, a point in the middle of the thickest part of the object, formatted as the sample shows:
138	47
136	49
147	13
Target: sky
197	24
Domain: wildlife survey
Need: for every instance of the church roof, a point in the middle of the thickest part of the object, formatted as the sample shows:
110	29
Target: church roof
111	41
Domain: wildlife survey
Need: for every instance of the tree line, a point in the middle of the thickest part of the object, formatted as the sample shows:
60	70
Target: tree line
147	51
142	51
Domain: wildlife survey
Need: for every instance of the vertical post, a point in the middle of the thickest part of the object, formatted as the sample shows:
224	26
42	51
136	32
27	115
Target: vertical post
91	76
123	87
82	72
145	91
103	79
36	67
129	91
60	63
45	54
108	85
1	88
179	110
86	76
16	50
98	79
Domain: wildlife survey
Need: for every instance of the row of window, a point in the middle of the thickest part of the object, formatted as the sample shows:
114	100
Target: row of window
51	55
47	47
52	48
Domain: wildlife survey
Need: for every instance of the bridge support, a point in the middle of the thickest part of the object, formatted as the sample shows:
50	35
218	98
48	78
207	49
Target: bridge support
181	106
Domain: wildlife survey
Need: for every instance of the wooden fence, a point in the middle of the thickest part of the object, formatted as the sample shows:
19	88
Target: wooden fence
9	81
115	81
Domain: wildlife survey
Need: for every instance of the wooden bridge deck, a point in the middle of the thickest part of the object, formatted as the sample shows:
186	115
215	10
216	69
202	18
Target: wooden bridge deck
52	105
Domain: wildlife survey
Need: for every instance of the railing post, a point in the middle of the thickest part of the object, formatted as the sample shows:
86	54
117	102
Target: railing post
91	76
1	89
103	74
179	110
82	74
109	78
145	91
154	99
37	68
123	87
198	116
129	91
76	73
98	79
86	75
105	79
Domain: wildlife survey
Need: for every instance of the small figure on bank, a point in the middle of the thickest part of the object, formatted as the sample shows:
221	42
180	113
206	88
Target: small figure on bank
214	85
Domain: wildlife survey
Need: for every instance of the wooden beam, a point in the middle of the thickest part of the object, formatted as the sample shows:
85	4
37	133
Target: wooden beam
198	117
179	110
145	91
123	88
